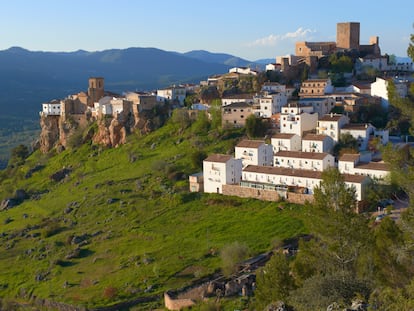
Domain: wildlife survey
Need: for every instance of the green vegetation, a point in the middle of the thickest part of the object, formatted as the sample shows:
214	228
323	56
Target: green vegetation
120	223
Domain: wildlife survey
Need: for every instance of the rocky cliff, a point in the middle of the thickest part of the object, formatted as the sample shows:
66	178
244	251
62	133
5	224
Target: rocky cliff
111	131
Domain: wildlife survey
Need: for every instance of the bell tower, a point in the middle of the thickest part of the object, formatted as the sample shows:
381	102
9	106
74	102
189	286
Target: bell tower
95	90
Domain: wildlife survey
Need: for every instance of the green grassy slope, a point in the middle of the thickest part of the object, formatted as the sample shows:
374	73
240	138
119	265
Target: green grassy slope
140	231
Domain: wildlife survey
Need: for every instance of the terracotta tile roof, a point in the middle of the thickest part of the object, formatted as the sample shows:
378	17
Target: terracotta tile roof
246	143
316	80
302	155
349	157
331	118
283	136
377	166
239	96
272	170
362	85
354	178
356	126
223	158
318	137
238	105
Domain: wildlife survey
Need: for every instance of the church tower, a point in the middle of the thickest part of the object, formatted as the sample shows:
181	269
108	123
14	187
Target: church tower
95	90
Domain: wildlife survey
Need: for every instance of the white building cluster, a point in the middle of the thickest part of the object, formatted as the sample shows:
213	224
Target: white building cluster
297	156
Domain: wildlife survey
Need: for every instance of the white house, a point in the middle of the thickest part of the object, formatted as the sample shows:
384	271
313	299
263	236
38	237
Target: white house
321	105
273	67
378	62
172	94
286	142
296	119
303	160
352	164
380	88
360	88
273	87
331	124
317	143
237	98
359	182
270	103
51	108
219	170
279	176
361	132
254	152
111	105
243	70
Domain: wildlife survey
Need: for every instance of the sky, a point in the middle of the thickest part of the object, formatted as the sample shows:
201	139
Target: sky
251	29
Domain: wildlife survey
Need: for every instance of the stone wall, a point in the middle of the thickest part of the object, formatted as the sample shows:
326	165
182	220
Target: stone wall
177	304
299	198
266	195
244	192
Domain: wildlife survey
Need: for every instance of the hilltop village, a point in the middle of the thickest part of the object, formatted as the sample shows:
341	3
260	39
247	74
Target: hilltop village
307	111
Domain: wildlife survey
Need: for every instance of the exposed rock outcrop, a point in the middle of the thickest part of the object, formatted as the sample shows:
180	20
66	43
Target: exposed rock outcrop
50	132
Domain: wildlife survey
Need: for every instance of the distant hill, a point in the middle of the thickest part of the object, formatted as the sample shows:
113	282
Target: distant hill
221	58
265	61
27	78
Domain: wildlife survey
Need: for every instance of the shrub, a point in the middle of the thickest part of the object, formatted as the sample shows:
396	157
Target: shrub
110	292
231	255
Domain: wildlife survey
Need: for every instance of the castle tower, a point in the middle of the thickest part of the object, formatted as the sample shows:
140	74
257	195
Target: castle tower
347	35
95	90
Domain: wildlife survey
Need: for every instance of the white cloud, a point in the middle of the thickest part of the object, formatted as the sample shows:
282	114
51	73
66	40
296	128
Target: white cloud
273	39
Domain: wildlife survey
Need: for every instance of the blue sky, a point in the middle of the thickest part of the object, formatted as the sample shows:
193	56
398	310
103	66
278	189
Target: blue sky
250	29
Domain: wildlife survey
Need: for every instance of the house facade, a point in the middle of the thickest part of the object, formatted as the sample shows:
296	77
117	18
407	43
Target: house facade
269	104
219	170
276	177
143	101
361	132
321	105
331	125
296	119
286	142
237	98
254	152
317	143
273	87
235	114
303	160
51	108
172	94
352	164
379	88
315	88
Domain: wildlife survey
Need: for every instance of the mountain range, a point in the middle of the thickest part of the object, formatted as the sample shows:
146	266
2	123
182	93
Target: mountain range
28	78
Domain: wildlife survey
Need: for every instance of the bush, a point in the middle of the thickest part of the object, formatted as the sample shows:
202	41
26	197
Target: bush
50	229
110	292
231	255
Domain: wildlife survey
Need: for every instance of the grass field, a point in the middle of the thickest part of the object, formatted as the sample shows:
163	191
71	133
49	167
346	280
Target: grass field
122	223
